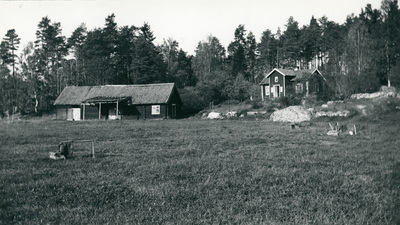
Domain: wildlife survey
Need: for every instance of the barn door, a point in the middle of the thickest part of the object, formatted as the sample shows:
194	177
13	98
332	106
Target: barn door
173	111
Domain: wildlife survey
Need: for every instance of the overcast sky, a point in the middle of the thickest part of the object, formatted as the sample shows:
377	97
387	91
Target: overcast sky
186	21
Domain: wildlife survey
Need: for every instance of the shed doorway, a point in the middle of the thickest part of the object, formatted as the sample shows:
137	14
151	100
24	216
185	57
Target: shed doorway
173	111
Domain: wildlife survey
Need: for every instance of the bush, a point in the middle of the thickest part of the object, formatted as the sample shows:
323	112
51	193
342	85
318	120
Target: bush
231	102
288	101
256	104
192	101
310	101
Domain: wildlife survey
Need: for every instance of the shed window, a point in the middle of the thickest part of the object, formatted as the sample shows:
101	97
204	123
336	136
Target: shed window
266	90
155	110
276	79
299	88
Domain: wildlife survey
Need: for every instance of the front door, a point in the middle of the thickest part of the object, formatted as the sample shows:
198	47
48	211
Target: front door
276	91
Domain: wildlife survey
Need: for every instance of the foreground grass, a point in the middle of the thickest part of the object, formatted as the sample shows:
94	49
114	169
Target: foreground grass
200	172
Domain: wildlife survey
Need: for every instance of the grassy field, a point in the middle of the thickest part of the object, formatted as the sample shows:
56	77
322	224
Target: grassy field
200	172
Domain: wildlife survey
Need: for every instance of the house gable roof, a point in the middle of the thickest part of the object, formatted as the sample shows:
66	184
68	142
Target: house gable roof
305	74
296	74
139	94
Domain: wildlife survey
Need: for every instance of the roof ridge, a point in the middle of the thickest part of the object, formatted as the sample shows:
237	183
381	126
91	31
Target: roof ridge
136	85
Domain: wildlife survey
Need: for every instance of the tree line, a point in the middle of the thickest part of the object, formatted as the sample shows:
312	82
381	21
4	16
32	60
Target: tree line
358	56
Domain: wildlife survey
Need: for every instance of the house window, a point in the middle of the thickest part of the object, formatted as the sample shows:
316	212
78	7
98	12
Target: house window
281	88
276	79
267	90
155	110
299	88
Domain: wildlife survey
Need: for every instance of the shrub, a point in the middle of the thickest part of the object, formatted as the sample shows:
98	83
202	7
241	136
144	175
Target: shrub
231	102
192	101
288	101
256	104
310	101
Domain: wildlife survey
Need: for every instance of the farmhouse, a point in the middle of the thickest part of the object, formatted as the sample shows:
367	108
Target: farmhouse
283	82
149	101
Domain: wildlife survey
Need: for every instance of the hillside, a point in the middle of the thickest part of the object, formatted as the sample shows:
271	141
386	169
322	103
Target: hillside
373	106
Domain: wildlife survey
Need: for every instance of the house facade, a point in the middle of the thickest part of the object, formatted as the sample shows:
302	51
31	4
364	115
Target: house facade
150	101
284	82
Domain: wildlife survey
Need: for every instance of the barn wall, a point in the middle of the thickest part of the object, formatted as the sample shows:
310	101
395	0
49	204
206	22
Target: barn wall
91	112
175	104
61	112
145	112
66	112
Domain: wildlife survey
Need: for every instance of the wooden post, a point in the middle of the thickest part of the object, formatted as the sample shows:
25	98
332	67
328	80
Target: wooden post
93	149
83	115
116	112
99	110
166	114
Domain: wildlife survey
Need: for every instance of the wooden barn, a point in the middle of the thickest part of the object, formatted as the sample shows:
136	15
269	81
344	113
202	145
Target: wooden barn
150	101
282	82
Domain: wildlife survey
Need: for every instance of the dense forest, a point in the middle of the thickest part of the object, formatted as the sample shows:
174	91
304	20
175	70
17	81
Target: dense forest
358	56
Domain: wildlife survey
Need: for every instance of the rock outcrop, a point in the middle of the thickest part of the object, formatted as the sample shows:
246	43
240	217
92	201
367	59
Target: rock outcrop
293	114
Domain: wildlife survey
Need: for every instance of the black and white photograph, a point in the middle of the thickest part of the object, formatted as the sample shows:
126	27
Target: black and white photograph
200	112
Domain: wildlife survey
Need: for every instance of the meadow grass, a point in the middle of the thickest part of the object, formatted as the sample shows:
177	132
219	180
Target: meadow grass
200	172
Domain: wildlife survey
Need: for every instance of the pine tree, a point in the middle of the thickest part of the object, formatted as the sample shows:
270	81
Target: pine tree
310	41
391	31
147	64
268	49
237	52
290	44
11	42
50	48
75	44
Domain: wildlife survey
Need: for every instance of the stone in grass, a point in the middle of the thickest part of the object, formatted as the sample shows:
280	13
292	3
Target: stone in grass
214	115
56	156
333	133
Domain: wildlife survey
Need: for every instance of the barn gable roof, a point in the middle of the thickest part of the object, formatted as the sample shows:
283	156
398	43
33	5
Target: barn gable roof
72	95
139	94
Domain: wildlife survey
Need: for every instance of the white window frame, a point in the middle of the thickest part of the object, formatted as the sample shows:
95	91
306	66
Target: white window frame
267	90
299	88
276	79
155	110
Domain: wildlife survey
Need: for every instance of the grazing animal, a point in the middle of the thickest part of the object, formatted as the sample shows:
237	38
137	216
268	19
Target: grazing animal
65	148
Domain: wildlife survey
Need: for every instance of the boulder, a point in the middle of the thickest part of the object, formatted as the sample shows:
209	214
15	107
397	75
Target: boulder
214	115
251	113
384	92
344	113
293	114
231	114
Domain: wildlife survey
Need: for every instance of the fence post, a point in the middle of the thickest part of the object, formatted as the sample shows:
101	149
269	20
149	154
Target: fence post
93	149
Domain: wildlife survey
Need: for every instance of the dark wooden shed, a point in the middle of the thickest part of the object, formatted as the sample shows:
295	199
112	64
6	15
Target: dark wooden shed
149	101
